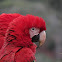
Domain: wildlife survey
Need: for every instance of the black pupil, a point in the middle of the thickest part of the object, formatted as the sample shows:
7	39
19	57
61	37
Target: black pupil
32	28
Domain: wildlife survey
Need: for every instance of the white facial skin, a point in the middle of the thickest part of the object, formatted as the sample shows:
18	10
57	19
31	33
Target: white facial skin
35	31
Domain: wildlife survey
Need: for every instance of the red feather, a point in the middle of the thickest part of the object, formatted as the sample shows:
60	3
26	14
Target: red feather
5	19
18	46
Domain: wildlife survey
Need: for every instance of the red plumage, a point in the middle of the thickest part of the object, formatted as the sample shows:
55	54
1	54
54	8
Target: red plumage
18	46
5	19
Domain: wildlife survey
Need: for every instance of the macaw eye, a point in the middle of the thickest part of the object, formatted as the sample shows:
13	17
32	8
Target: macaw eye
33	29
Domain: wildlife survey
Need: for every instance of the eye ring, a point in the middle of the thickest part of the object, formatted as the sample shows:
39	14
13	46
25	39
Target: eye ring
33	29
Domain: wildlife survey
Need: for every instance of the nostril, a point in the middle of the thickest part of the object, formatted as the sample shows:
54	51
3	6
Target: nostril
35	38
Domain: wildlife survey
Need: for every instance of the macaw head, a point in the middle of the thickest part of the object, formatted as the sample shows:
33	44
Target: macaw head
25	30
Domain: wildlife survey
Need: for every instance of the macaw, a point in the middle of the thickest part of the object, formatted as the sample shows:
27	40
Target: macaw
17	36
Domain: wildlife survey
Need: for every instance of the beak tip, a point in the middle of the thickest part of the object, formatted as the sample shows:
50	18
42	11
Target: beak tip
42	38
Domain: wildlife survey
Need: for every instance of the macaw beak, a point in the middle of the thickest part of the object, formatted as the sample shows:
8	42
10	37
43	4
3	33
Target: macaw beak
42	38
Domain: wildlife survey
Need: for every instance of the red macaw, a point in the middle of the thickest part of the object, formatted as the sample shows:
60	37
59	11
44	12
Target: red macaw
17	34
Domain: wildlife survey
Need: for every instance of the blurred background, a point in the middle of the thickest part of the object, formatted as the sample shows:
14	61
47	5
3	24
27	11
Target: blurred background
51	12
